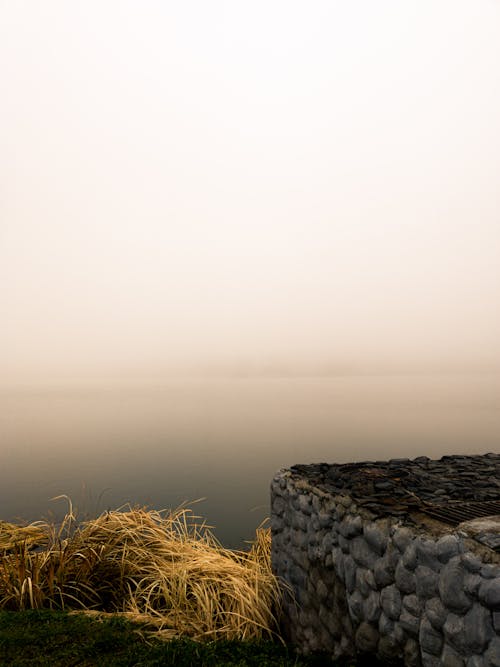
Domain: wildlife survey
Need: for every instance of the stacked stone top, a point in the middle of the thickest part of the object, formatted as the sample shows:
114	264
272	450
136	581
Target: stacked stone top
400	486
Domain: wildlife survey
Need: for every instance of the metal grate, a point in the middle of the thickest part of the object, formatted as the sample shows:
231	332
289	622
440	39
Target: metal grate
455	513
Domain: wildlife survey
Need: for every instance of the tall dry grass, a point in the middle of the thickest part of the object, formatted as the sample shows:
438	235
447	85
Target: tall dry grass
164	568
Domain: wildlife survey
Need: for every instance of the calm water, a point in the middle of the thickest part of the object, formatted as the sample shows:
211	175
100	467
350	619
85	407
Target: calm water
222	439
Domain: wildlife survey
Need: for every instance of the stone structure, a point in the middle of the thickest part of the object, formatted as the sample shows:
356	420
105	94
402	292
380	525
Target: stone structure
370	567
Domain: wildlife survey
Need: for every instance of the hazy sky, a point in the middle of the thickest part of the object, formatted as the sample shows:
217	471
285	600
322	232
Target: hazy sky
265	182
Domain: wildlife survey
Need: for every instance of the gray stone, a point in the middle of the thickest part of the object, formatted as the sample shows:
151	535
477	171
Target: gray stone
306	619
297	577
350	573
370	580
279	506
347	625
345	501
316	503
471	562
351	526
313	523
453	630
325	520
489	593
427	554
405	580
412	653
450	658
313	641
385	568
328	541
314	535
429	660
451	587
329	577
371	607
325	615
347	648
426	581
475	661
388	651
344	544
409	623
313	573
331	622
315	553
304	598
321	590
340	512
447	547
496	621
355	604
398	635
304	504
361	583
491	539
472	583
412	604
489	571
362	552
492	655
298	538
300	521
402	538
431	640
366	638
390	600
385	624
409	557
338	563
478	628
277	525
436	613
326	641
300	558
376	538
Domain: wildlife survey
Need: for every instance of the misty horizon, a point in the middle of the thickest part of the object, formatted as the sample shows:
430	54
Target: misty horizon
281	188
251	369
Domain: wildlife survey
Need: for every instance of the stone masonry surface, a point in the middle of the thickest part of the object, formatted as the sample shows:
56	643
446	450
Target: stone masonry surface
366	571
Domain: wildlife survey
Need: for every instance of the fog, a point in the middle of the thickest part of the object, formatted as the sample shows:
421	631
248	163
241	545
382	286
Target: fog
257	188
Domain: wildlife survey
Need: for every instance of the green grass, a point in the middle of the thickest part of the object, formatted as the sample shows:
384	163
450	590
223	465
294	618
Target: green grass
57	639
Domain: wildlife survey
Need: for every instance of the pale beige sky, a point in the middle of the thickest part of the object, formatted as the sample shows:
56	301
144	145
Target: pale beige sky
279	182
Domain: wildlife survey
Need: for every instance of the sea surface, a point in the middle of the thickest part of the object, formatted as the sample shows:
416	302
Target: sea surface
163	443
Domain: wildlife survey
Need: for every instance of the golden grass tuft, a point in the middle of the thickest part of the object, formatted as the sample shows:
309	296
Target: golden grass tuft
164	568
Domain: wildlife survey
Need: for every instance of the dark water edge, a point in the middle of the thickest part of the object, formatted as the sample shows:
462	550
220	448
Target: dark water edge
222	439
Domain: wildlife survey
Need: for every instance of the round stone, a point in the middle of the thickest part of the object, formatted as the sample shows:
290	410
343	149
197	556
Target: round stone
478	628
489	593
366	638
451	587
390	600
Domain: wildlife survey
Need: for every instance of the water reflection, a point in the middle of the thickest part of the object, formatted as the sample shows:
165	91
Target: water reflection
165	443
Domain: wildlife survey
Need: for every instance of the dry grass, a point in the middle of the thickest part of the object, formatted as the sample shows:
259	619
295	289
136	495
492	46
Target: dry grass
163	568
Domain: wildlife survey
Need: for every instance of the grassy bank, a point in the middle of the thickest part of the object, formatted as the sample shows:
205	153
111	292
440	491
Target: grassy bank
165	569
58	639
137	587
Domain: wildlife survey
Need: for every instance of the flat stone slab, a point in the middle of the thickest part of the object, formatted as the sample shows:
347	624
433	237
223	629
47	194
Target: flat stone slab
400	486
485	530
487	524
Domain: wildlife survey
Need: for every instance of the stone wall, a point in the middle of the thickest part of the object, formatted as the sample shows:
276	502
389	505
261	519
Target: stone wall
400	589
